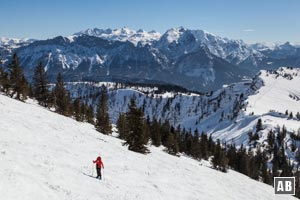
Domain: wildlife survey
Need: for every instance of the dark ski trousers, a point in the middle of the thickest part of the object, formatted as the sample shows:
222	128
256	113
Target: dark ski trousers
98	172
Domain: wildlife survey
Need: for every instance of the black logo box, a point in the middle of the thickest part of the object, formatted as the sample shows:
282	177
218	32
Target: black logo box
284	185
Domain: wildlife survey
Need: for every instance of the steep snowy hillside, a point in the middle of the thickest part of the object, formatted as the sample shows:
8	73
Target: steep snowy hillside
280	92
186	110
229	114
46	156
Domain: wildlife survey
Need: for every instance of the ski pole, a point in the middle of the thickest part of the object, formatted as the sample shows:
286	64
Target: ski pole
102	173
92	169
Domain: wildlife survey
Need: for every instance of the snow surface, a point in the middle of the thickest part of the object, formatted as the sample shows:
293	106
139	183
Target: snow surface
44	155
271	95
278	93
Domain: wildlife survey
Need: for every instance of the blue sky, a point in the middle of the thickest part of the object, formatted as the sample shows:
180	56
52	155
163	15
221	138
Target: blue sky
249	20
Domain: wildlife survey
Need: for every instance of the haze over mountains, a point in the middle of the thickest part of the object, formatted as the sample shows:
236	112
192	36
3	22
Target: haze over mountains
194	59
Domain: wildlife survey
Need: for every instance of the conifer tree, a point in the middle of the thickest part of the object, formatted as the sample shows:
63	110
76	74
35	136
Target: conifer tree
77	109
211	144
90	114
275	161
203	146
1	76
254	164
4	82
40	85
291	116
155	133
181	139
121	125
83	112
232	156
102	117
61	97
195	148
242	161
188	143
223	162
136	137
266	175
146	128
172	144
220	161
17	81
298	116
259	126
286	112
271	139
164	131
297	158
30	91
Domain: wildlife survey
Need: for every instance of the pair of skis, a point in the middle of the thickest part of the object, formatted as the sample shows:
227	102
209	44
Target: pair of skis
91	176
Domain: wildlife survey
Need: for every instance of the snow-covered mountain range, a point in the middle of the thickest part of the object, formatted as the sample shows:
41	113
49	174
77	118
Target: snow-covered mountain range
123	34
48	156
8	45
15	42
194	59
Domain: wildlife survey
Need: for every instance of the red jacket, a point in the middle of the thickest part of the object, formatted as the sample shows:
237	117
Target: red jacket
98	162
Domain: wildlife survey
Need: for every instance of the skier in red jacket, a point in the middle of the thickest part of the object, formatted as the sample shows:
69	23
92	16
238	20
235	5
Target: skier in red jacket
99	163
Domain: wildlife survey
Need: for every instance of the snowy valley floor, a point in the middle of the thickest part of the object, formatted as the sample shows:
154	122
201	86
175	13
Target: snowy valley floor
44	156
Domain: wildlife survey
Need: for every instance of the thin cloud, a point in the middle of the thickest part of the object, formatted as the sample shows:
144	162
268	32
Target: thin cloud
249	30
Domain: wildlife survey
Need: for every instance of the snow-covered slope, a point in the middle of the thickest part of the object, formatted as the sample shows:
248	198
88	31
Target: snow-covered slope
46	156
280	92
277	93
232	112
